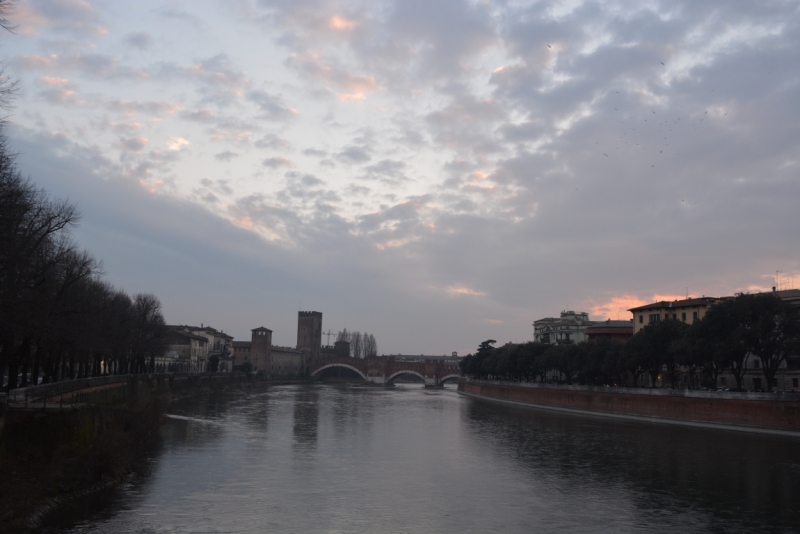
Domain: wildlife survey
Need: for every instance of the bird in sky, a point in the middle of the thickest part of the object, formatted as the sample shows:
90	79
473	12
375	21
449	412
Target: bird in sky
548	46
606	155
662	63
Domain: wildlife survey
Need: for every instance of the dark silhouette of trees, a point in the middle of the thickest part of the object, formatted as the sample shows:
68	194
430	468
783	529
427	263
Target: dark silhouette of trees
361	345
773	327
761	326
724	332
58	319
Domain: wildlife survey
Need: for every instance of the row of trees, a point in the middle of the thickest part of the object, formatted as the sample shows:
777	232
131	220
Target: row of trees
58	318
746	332
361	345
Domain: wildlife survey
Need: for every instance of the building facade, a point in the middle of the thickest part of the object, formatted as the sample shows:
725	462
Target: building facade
269	360
616	330
185	352
568	328
686	310
309	333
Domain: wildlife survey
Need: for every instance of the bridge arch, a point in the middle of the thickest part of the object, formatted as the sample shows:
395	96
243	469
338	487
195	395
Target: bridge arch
449	377
346	366
404	372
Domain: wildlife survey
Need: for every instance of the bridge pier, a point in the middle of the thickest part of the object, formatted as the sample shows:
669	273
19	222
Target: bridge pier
431	382
377	380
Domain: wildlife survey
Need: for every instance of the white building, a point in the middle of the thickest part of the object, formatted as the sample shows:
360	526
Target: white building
566	329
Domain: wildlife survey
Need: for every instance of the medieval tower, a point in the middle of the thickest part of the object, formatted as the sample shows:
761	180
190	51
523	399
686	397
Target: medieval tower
309	333
261	349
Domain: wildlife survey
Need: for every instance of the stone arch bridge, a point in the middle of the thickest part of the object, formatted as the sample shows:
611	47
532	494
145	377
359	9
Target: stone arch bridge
383	370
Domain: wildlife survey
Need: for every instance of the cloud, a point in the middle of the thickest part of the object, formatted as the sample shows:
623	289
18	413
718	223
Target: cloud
273	141
453	148
464	291
140	40
175	144
388	171
150	107
226	156
353	154
339	80
315	152
200	115
272	107
134	144
101	66
73	16
277	162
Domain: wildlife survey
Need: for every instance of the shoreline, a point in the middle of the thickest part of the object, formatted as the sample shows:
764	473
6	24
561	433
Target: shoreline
776	417
94	450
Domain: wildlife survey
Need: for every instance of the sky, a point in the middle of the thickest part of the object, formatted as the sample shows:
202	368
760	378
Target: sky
434	173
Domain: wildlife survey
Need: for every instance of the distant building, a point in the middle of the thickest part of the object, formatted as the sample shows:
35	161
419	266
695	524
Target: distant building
270	360
257	351
686	310
220	346
616	330
309	333
185	353
568	328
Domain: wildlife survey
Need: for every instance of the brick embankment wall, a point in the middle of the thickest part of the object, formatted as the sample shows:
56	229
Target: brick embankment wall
778	416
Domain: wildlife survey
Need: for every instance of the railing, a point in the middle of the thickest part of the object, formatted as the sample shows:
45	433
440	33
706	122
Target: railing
107	392
71	392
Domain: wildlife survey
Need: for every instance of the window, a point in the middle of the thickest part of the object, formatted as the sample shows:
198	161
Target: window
694	316
674	315
723	381
756	383
641	319
774	382
654	317
794	382
683	317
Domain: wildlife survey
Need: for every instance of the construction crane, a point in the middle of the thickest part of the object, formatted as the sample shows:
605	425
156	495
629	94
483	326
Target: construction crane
329	334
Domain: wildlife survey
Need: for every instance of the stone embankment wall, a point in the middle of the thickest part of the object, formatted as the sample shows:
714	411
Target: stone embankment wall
764	413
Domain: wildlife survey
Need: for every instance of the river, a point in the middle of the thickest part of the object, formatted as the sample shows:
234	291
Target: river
337	459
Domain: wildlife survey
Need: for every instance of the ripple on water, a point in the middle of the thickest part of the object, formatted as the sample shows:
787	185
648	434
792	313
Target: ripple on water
336	459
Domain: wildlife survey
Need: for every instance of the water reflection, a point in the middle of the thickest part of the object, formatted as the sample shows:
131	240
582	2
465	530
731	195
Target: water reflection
732	480
306	414
346	459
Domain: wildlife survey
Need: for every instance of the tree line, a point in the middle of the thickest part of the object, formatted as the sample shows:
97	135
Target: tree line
361	345
744	332
58	318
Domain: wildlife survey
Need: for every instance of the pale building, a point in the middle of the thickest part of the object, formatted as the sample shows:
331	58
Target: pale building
686	310
568	328
185	352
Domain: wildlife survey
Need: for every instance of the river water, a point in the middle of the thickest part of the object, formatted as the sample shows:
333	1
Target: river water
345	459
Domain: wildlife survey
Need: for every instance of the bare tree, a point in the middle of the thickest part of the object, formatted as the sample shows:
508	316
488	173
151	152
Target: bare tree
357	345
343	335
149	332
370	346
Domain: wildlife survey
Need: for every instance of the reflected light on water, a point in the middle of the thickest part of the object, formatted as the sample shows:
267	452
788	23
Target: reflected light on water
336	459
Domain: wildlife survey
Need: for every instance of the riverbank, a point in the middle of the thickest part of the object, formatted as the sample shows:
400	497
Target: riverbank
764	413
50	457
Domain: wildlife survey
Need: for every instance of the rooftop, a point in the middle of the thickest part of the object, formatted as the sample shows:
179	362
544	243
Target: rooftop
685	303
